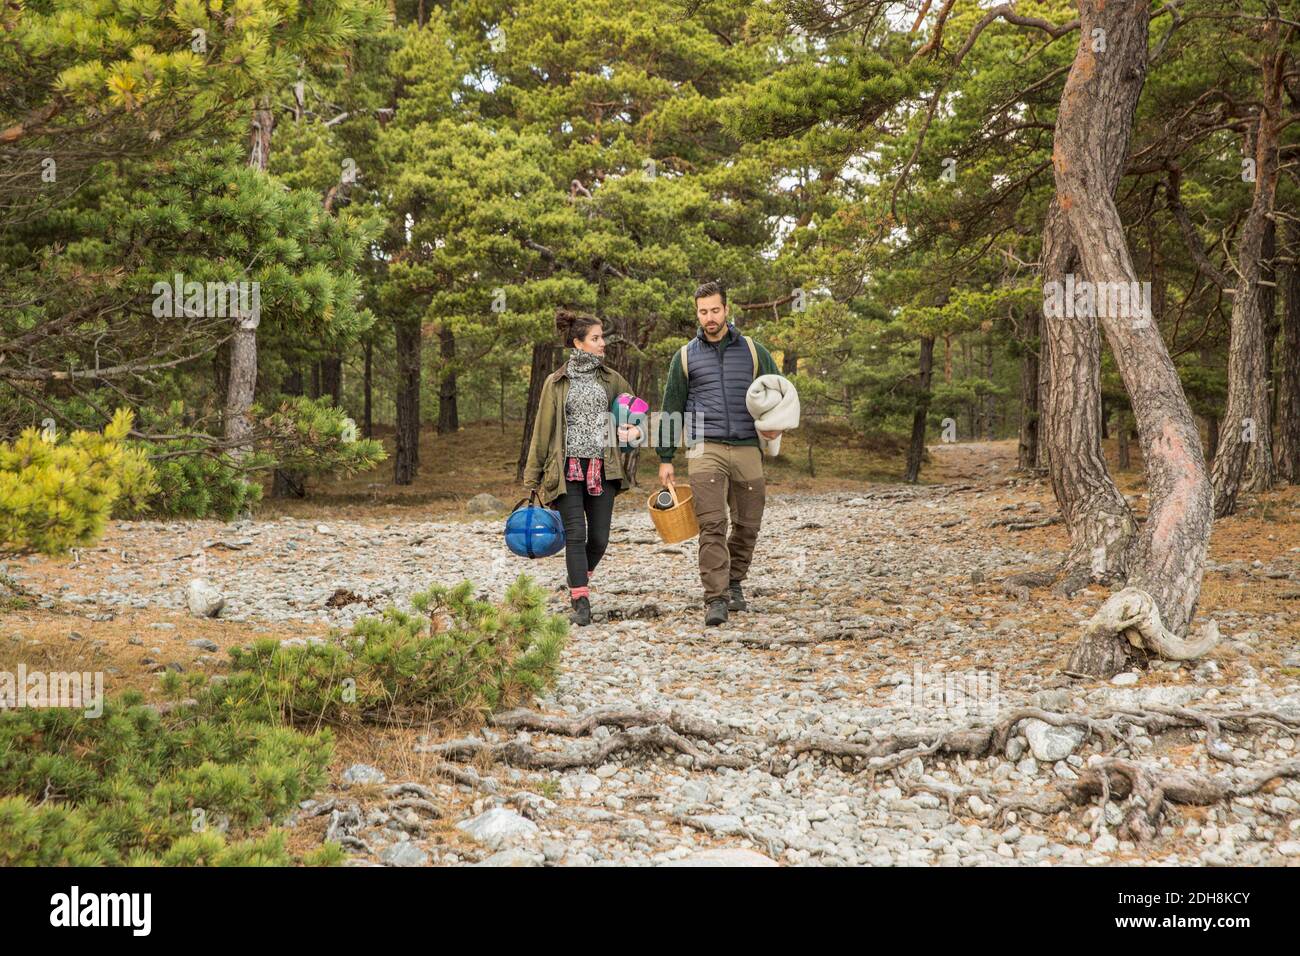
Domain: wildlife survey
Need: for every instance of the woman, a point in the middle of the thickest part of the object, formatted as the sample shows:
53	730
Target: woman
573	460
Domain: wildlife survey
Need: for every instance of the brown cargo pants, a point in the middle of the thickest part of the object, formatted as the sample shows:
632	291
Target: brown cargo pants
726	477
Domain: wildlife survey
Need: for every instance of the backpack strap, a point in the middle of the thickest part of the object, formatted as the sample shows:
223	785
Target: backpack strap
684	369
753	353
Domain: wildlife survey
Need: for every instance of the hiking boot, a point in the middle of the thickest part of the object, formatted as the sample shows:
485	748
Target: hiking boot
581	615
716	612
736	600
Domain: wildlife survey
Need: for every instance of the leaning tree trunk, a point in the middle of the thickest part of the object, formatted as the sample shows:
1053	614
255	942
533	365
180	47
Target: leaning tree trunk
242	383
448	414
916	450
1288	405
1245	455
1093	127
406	459
1099	520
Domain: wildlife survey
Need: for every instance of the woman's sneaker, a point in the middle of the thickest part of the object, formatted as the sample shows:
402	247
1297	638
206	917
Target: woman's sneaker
581	615
715	612
736	599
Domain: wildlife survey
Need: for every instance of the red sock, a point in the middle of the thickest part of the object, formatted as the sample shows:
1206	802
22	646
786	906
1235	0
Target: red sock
575	593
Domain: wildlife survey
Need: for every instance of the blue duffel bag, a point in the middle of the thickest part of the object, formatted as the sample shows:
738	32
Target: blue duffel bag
535	531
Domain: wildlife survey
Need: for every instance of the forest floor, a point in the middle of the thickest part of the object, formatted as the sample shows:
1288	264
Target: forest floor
806	730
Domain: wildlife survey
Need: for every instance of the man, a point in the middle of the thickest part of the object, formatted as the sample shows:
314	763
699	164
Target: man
723	457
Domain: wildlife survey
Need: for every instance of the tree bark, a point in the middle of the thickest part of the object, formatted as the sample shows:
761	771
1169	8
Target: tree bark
331	378
241	386
1027	451
546	359
1122	432
916	450
285	484
789	362
406	459
990	402
1288	409
1245	455
448	414
1093	128
1099	520
367	393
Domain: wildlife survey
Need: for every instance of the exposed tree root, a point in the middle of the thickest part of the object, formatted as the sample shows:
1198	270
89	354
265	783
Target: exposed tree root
1152	789
774	845
1111	777
1021	523
982	741
651	729
1131	615
466	777
516	753
615	715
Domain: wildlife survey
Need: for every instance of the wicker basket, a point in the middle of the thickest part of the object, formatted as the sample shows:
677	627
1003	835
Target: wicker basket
677	523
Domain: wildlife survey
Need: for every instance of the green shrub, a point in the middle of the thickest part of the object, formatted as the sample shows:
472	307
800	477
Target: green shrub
452	656
192	484
124	787
56	494
307	437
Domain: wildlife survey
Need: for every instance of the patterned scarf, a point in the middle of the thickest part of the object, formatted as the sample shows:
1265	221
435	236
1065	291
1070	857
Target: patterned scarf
594	469
581	363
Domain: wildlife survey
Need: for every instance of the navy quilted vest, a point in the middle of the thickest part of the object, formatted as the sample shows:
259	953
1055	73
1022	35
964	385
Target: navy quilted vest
716	381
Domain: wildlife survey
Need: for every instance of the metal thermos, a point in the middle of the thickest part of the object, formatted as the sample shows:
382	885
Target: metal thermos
664	499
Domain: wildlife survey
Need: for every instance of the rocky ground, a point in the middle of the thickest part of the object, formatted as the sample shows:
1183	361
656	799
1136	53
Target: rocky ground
808	730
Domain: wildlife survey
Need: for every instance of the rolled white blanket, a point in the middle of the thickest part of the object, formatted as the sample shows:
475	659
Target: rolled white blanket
774	403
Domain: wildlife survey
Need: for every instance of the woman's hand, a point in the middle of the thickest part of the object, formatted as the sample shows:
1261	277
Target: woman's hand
628	434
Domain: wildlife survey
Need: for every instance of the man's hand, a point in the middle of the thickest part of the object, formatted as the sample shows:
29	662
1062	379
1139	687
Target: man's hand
666	475
770	435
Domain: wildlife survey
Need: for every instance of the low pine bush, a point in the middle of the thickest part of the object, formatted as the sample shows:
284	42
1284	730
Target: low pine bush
58	494
199	784
134	786
450	657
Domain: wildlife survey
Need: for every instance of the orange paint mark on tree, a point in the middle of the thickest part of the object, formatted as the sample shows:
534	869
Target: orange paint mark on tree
1173	453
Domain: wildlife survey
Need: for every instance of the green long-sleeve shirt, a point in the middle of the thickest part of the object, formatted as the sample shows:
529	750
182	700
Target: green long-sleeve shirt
675	390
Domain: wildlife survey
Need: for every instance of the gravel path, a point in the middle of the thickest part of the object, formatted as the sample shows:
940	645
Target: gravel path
871	613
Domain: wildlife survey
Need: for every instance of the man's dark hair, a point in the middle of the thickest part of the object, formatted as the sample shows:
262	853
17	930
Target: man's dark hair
713	287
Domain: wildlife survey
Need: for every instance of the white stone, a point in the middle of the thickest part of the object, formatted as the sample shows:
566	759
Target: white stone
203	598
497	825
1050	744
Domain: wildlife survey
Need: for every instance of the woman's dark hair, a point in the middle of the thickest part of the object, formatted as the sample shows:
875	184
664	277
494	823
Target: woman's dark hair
573	325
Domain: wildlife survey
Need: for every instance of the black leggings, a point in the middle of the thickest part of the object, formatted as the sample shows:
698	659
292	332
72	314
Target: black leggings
586	526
